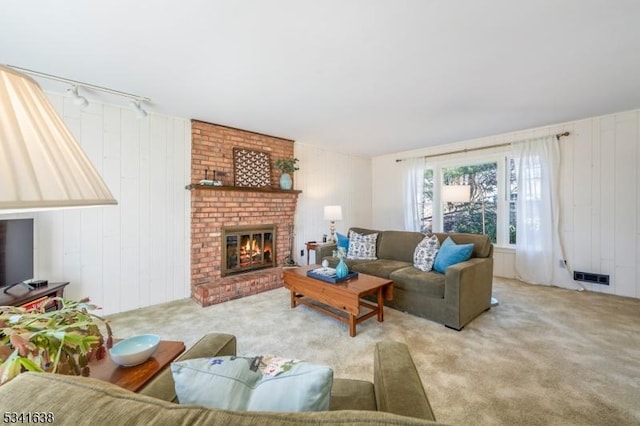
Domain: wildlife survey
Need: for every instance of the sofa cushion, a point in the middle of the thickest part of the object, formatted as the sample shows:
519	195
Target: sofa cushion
398	245
333	262
343	241
350	394
264	383
451	253
414	280
361	246
482	246
351	263
380	268
425	253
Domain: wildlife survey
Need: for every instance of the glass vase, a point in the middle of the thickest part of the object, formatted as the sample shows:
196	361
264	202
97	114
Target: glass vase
286	182
342	270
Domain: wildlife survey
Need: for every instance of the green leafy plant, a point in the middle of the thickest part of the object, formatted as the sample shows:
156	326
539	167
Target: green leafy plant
61	341
287	165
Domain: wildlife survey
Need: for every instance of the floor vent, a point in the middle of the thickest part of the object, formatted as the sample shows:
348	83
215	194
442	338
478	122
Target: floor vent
588	277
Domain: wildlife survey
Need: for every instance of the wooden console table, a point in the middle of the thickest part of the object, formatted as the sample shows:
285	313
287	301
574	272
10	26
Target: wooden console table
19	295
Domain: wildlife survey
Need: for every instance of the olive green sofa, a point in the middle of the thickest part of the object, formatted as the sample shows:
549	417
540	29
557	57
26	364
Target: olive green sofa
396	397
454	298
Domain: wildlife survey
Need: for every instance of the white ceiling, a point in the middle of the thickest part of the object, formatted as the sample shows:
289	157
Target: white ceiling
367	77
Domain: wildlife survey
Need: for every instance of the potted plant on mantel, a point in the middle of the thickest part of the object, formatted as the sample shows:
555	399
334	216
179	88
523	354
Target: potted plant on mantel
61	341
286	166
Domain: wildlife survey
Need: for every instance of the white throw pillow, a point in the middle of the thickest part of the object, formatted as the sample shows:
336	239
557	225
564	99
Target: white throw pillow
362	247
263	383
425	253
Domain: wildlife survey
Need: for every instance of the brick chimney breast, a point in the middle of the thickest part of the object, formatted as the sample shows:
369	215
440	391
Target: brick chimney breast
213	208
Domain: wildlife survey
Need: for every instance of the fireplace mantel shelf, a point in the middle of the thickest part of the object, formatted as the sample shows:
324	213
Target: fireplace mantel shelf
240	188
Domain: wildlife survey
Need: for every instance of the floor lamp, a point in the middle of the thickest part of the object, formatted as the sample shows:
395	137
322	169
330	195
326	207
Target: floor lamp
42	166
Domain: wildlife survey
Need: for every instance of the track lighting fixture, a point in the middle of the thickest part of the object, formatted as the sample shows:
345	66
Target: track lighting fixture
81	101
140	112
78	100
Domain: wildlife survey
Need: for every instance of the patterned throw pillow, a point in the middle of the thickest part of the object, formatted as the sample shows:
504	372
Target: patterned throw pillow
425	253
362	247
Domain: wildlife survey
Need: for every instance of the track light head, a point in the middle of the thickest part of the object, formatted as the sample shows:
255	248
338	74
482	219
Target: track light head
78	100
140	112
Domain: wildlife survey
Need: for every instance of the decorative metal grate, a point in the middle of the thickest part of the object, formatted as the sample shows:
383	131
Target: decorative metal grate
247	248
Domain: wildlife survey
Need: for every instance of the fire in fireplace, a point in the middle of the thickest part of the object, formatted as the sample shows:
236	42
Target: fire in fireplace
247	248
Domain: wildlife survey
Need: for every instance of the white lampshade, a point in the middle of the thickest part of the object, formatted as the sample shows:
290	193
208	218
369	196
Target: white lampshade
41	164
332	212
456	193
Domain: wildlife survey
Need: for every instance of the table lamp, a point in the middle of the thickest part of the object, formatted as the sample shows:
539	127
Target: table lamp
332	213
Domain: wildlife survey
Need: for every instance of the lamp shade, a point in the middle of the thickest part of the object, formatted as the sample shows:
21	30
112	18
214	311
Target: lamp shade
332	212
42	166
456	193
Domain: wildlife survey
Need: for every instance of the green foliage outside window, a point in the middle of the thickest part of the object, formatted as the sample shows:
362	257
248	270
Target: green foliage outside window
476	216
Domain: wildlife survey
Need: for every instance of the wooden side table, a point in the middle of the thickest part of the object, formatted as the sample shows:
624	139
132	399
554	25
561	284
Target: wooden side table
134	378
312	246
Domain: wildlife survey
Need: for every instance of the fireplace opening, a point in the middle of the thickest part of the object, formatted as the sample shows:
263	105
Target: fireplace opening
247	248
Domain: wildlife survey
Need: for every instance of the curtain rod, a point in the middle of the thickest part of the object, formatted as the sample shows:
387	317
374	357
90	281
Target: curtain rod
461	151
81	84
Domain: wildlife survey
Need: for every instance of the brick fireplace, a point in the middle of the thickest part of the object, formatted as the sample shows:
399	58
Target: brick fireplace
217	209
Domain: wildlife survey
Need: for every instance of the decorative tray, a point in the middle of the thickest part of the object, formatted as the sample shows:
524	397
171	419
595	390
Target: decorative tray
329	275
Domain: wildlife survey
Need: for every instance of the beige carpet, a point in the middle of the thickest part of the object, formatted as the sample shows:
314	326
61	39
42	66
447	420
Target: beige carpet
544	356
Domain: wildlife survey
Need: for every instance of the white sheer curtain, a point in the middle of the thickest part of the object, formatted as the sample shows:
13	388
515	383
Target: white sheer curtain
413	179
537	164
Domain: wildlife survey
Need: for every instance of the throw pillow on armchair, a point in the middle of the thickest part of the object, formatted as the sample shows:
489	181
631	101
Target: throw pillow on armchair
263	383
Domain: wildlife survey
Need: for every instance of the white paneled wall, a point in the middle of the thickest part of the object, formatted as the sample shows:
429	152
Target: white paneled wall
134	254
327	178
599	190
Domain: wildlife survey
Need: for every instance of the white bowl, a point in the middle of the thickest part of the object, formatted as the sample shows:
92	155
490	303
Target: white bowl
134	350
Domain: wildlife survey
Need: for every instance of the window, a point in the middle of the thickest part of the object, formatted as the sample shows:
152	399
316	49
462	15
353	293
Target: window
491	205
427	205
513	199
479	214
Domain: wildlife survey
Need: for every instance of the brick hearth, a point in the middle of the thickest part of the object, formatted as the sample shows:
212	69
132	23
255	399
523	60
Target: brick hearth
215	207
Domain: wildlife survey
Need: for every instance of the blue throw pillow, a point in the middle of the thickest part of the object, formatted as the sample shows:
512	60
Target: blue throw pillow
343	241
451	253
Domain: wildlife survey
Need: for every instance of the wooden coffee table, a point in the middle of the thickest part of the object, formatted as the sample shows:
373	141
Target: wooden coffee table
134	378
345	297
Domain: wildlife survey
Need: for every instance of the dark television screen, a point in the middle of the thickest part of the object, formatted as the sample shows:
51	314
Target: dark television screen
16	251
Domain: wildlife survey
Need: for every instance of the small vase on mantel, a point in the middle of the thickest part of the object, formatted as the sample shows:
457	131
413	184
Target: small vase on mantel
342	270
285	181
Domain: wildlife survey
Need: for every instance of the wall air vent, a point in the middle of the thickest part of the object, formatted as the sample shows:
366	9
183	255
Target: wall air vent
589	277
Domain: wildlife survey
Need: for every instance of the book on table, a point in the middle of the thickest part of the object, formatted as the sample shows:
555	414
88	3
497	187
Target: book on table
327	272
